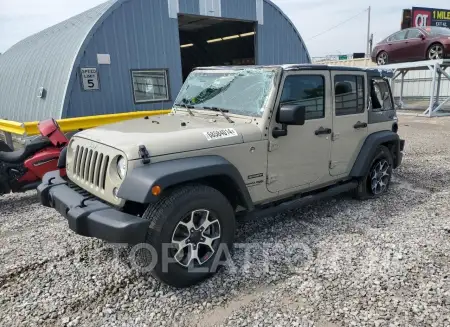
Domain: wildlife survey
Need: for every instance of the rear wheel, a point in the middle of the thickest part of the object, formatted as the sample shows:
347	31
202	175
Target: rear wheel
377	180
382	58
191	230
435	51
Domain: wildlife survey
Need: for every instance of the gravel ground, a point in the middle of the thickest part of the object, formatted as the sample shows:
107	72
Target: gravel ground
339	262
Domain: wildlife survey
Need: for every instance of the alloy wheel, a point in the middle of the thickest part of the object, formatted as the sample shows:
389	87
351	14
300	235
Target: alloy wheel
379	177
435	52
382	58
196	238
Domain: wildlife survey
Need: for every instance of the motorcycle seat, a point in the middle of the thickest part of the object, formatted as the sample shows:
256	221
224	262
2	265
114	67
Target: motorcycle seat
29	149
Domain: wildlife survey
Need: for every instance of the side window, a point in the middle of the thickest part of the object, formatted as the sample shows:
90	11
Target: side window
305	90
150	85
380	96
413	33
348	94
398	36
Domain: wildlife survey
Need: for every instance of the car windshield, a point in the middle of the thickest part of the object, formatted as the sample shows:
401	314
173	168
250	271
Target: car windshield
243	91
434	31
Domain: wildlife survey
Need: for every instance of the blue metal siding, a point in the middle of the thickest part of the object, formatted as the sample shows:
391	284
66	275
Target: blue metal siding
190	7
139	34
239	9
277	40
130	37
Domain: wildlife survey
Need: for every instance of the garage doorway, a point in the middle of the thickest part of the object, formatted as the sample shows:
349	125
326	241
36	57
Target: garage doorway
210	41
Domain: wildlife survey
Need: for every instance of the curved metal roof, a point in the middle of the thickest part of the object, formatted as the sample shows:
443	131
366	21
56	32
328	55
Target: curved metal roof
43	60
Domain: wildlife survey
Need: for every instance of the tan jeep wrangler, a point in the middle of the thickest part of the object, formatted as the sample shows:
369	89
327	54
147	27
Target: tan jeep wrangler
239	142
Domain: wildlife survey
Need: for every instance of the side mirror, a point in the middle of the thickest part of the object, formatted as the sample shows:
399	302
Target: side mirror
422	36
289	114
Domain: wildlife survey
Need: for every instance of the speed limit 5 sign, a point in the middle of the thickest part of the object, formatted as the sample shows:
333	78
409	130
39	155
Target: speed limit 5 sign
89	77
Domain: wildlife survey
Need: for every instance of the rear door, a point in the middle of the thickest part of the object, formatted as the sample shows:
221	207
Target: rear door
395	45
349	119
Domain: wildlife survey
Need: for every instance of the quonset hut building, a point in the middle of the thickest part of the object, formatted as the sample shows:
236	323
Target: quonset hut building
130	55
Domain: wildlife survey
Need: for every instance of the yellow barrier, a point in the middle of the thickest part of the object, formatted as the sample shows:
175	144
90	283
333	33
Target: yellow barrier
73	124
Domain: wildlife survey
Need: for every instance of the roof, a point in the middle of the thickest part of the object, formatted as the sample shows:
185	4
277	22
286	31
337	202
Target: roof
376	72
44	60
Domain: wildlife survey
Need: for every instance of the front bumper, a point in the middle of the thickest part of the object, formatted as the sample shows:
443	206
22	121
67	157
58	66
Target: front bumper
90	217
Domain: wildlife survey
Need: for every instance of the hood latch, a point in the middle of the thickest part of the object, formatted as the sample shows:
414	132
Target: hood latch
143	153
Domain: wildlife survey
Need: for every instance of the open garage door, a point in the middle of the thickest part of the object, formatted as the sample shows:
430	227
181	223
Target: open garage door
209	41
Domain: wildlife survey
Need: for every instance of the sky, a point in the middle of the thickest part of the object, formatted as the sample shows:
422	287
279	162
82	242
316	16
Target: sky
21	18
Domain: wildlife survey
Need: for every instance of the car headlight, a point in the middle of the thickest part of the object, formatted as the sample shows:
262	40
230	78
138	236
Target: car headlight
121	167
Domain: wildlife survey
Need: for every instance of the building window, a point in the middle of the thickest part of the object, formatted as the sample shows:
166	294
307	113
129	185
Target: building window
348	94
305	90
150	85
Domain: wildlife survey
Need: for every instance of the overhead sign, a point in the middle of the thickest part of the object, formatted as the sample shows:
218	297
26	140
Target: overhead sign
89	77
430	17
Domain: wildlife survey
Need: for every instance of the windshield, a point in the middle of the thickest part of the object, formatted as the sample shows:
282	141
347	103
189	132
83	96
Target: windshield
435	31
242	92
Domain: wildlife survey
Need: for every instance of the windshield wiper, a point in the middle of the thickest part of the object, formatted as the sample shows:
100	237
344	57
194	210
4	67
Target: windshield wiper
188	107
222	111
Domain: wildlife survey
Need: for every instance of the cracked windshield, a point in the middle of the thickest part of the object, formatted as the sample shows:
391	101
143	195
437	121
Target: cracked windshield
241	92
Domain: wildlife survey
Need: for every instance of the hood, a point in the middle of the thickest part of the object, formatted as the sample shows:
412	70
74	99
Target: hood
168	134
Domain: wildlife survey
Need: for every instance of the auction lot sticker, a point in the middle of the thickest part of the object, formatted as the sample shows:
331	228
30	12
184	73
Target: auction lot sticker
220	134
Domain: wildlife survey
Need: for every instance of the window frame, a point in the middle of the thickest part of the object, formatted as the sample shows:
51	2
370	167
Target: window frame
166	74
363	84
321	75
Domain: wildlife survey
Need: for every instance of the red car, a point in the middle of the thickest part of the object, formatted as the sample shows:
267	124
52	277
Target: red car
412	44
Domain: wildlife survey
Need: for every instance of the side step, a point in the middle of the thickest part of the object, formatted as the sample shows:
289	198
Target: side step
301	201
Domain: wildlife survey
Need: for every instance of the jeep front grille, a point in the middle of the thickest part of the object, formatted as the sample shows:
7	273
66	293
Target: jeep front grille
90	166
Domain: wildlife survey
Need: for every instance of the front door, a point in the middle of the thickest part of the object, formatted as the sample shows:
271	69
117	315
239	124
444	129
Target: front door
302	157
349	119
414	46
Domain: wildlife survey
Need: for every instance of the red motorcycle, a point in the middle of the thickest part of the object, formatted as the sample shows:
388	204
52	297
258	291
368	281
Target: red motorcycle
22	170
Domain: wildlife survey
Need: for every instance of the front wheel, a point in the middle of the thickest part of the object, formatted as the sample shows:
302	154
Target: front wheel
377	180
436	51
191	233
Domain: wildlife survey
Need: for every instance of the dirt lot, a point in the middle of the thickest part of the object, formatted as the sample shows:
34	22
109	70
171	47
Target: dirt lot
339	262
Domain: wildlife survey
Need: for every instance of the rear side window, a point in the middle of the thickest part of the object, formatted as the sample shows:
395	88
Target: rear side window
348	94
398	36
308	91
380	95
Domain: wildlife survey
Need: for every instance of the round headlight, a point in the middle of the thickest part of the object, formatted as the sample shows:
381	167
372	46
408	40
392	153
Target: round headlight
122	167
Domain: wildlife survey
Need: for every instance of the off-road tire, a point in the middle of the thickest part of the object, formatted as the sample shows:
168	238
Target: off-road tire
364	189
4	147
164	217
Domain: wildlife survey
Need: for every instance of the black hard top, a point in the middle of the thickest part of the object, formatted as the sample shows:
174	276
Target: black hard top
371	72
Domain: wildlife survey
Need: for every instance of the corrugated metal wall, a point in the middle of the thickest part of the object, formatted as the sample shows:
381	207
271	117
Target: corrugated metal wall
417	84
44	59
141	34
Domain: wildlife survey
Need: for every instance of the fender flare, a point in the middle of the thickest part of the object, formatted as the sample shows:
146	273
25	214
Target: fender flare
362	163
138	183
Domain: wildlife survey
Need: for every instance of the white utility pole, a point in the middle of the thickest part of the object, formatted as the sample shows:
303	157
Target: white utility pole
368	33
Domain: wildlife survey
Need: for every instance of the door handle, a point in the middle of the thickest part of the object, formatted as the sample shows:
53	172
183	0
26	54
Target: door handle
360	125
322	131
